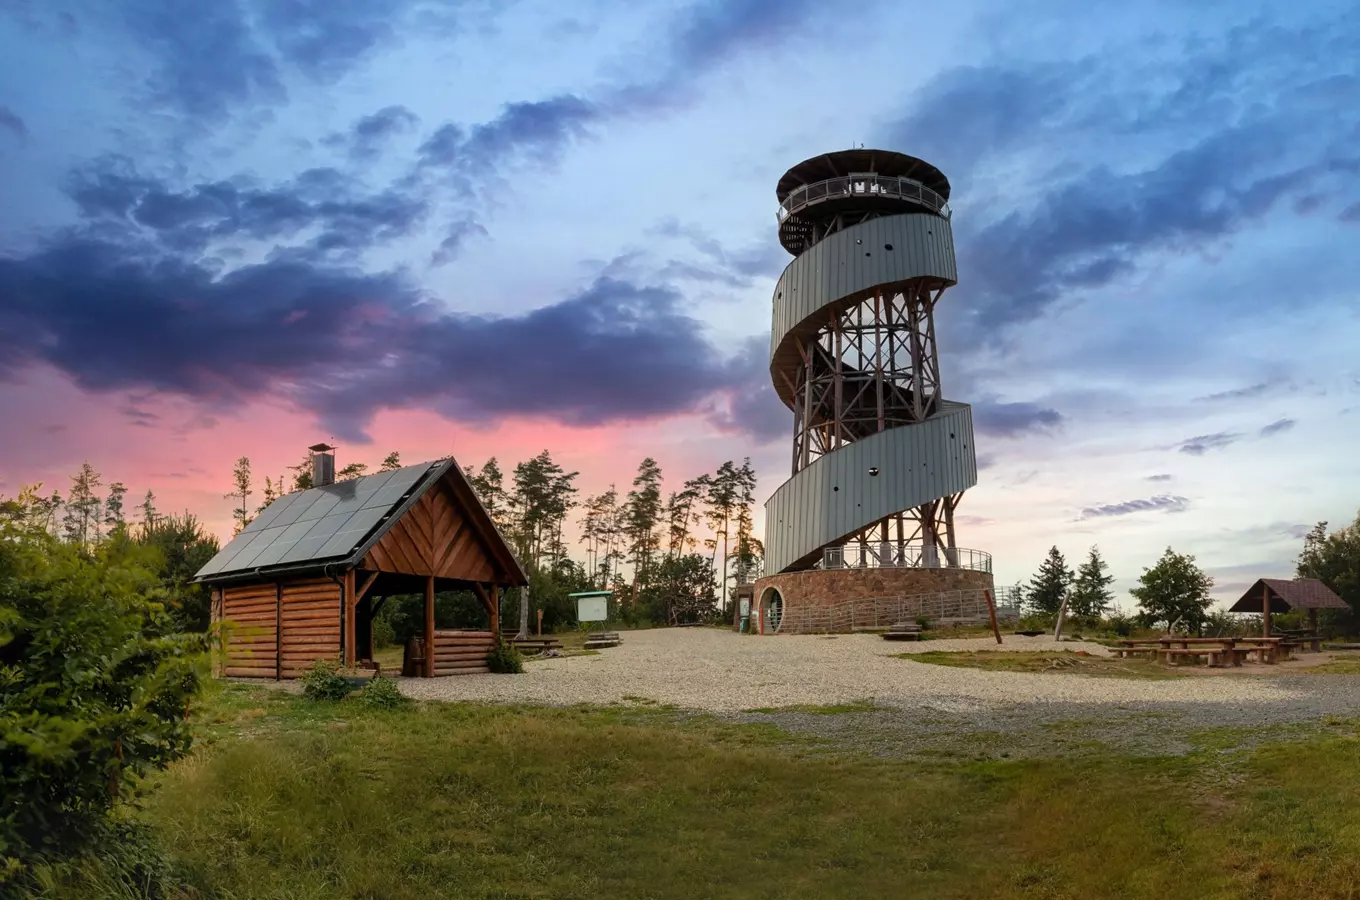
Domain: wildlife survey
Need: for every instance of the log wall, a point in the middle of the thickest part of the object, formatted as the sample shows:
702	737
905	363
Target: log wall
462	652
278	630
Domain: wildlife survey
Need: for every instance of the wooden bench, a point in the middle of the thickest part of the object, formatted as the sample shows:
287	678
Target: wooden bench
1214	655
602	639
536	645
1149	651
903	631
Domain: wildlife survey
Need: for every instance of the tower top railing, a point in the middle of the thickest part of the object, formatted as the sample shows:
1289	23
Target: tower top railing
865	186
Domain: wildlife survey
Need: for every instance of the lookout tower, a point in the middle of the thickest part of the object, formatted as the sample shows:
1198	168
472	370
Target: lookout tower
880	459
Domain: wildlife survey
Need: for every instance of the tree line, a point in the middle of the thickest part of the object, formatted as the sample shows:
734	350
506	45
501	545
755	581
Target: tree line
1176	590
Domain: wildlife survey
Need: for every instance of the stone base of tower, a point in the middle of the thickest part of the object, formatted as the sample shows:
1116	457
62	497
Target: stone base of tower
844	600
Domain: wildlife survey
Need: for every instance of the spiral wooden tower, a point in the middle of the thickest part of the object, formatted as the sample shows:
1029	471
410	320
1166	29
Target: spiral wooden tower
880	459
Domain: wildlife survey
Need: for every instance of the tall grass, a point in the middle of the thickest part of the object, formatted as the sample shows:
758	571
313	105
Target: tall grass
292	801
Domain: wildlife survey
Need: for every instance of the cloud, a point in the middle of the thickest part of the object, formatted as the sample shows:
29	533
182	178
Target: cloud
1162	503
363	142
535	132
319	208
1246	393
10	121
1277	427
1010	420
239	54
749	405
716	263
1162	477
697	40
1199	445
456	235
345	345
1217	134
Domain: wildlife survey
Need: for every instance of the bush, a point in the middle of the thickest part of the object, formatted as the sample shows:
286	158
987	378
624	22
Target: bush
505	659
95	690
382	693
323	681
1122	625
384	635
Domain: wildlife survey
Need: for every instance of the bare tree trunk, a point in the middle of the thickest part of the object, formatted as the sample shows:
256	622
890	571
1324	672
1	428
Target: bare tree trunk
523	633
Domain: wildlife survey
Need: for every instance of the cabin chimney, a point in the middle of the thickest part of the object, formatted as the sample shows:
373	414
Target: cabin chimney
323	464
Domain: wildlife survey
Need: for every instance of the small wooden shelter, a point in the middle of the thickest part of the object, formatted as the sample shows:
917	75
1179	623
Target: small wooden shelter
1275	595
304	580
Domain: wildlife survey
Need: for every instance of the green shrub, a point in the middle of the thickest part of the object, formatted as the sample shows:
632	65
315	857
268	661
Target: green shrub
95	691
323	681
923	622
384	635
382	693
505	659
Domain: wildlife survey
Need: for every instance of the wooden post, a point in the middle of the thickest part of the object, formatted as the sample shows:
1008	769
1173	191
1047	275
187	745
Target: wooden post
1265	610
991	611
540	623
216	614
1312	621
1062	614
429	626
350	609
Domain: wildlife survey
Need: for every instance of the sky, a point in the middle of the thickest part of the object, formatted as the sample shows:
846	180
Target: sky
488	229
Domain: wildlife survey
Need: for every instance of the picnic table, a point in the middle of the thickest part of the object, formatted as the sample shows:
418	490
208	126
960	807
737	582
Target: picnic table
1216	650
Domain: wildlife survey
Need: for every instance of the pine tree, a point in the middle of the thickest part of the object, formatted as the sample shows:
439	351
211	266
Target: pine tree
489	485
81	521
680	513
351	471
642	514
148	508
302	474
272	492
113	507
724	497
391	462
240	476
1050	584
1091	594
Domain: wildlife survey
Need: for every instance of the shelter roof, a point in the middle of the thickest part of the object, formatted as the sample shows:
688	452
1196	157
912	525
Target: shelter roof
1297	593
337	524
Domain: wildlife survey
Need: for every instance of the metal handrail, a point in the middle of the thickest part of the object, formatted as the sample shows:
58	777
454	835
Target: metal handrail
862	186
894	555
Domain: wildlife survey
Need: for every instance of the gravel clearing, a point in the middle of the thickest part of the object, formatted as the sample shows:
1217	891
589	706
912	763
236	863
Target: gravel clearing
718	671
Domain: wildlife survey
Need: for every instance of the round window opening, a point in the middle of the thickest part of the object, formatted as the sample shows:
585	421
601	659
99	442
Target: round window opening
773	605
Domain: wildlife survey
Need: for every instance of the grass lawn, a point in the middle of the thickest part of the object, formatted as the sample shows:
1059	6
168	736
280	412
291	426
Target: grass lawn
291	799
1061	661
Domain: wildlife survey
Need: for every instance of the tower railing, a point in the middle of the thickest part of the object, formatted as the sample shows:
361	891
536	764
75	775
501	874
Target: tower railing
895	554
862	186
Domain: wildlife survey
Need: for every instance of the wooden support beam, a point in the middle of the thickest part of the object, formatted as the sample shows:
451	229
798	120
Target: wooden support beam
429	626
363	589
496	611
1265	610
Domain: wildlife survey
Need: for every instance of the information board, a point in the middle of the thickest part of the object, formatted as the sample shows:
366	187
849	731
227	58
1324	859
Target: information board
592	609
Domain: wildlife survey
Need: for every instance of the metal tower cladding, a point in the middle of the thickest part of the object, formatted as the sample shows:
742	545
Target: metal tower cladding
880	459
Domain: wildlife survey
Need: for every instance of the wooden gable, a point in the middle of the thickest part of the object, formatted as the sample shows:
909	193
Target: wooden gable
438	537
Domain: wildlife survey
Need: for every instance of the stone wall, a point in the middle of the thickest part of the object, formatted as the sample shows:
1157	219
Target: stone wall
835	589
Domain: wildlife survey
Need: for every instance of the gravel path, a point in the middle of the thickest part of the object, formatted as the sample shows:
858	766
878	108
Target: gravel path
718	671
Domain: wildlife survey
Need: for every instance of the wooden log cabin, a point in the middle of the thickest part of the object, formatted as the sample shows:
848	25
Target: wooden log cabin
304	580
